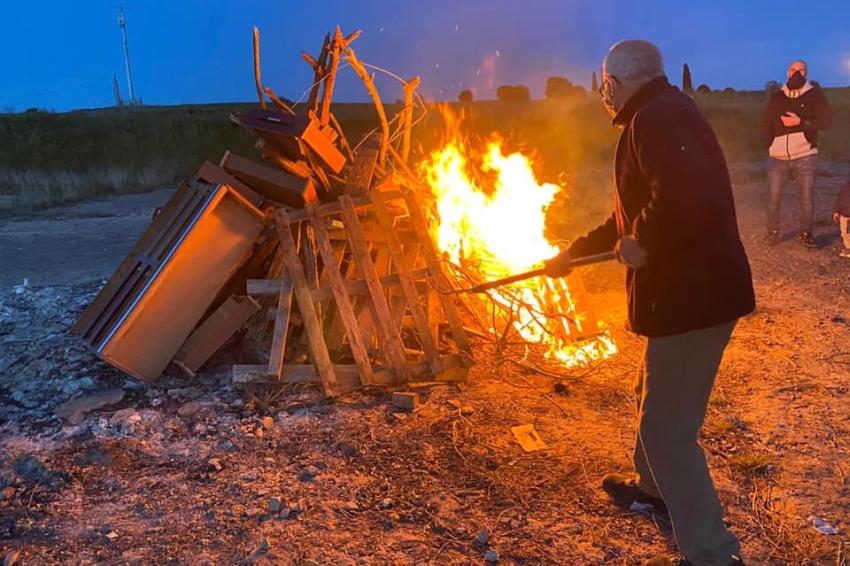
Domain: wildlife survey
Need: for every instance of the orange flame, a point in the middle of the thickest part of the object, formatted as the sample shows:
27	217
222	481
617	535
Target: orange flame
499	232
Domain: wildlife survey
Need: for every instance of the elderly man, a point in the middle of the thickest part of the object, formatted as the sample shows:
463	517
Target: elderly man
688	281
790	124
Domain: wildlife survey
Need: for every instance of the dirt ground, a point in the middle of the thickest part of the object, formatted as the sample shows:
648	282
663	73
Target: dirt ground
193	471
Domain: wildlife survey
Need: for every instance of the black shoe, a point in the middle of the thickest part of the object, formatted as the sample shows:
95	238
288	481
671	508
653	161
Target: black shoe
623	490
807	241
772	238
678	561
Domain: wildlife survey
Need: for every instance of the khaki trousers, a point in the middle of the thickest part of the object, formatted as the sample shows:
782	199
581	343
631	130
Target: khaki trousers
672	391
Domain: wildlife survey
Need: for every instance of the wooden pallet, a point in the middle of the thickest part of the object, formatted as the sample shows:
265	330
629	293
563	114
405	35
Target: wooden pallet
377	260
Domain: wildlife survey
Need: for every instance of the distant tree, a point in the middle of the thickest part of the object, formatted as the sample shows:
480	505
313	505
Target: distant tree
772	86
594	84
558	87
522	93
687	83
728	89
465	96
703	88
513	93
815	84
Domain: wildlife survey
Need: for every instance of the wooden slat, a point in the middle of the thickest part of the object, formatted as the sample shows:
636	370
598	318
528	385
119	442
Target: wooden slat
335	207
429	251
400	262
211	335
358	181
271	287
389	336
215	175
343	302
398	299
281	325
347	376
365	318
305	306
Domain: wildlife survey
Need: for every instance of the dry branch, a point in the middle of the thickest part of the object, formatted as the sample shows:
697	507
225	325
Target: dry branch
257	79
318	72
409	87
369	81
281	105
330	77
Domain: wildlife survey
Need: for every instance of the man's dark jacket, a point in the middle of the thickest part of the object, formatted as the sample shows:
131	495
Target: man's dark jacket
674	195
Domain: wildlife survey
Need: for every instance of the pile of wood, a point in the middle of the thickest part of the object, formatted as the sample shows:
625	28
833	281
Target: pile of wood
323	252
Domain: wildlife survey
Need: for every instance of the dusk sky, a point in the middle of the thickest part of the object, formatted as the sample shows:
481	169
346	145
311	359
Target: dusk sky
62	55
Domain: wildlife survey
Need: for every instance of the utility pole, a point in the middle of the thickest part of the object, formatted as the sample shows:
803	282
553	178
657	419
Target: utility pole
116	91
123	25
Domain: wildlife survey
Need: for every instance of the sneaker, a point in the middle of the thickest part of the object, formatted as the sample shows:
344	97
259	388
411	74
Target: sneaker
679	561
772	238
807	241
624	490
844	253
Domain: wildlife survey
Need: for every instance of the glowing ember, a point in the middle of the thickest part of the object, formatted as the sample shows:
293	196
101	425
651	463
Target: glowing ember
498	232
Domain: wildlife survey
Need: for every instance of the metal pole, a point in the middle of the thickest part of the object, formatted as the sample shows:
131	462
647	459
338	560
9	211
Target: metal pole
123	25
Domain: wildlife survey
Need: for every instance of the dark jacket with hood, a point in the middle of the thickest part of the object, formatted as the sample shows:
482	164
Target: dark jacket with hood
673	194
792	142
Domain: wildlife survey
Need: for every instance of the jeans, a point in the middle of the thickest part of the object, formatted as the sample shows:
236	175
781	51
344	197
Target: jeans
672	391
778	171
844	223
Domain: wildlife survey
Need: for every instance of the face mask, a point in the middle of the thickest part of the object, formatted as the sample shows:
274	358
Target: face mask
796	81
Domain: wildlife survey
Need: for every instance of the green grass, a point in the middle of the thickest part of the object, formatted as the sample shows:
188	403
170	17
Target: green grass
47	158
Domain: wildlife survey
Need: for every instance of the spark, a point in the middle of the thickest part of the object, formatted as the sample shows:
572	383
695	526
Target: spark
456	26
498	54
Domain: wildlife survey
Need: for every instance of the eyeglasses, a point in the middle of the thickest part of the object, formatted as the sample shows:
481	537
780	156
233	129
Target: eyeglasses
607	80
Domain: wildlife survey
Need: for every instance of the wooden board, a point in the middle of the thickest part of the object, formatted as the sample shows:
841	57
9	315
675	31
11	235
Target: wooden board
275	184
281	325
211	335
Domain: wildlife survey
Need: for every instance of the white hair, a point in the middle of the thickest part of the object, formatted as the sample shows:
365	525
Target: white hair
634	62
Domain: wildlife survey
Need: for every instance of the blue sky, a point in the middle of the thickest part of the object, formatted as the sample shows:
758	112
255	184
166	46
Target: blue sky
62	55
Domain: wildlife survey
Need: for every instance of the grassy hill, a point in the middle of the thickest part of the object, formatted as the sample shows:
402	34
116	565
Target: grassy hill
47	158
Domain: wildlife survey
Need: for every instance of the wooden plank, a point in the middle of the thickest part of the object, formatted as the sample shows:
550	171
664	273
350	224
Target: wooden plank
429	251
335	207
390	339
276	184
358	181
318	348
400	262
281	325
211	335
271	287
347	376
365	318
343	302
215	175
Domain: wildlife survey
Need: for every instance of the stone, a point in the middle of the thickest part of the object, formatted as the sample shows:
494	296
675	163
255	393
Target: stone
351	506
309	473
7	493
481	537
275	504
386	503
74	410
123	415
268	423
215	464
491	556
189	409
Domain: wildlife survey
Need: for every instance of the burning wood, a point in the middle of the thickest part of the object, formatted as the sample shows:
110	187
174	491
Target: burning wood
358	257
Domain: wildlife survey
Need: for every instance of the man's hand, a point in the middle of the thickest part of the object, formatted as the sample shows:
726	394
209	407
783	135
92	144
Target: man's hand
836	217
630	253
558	266
789	120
